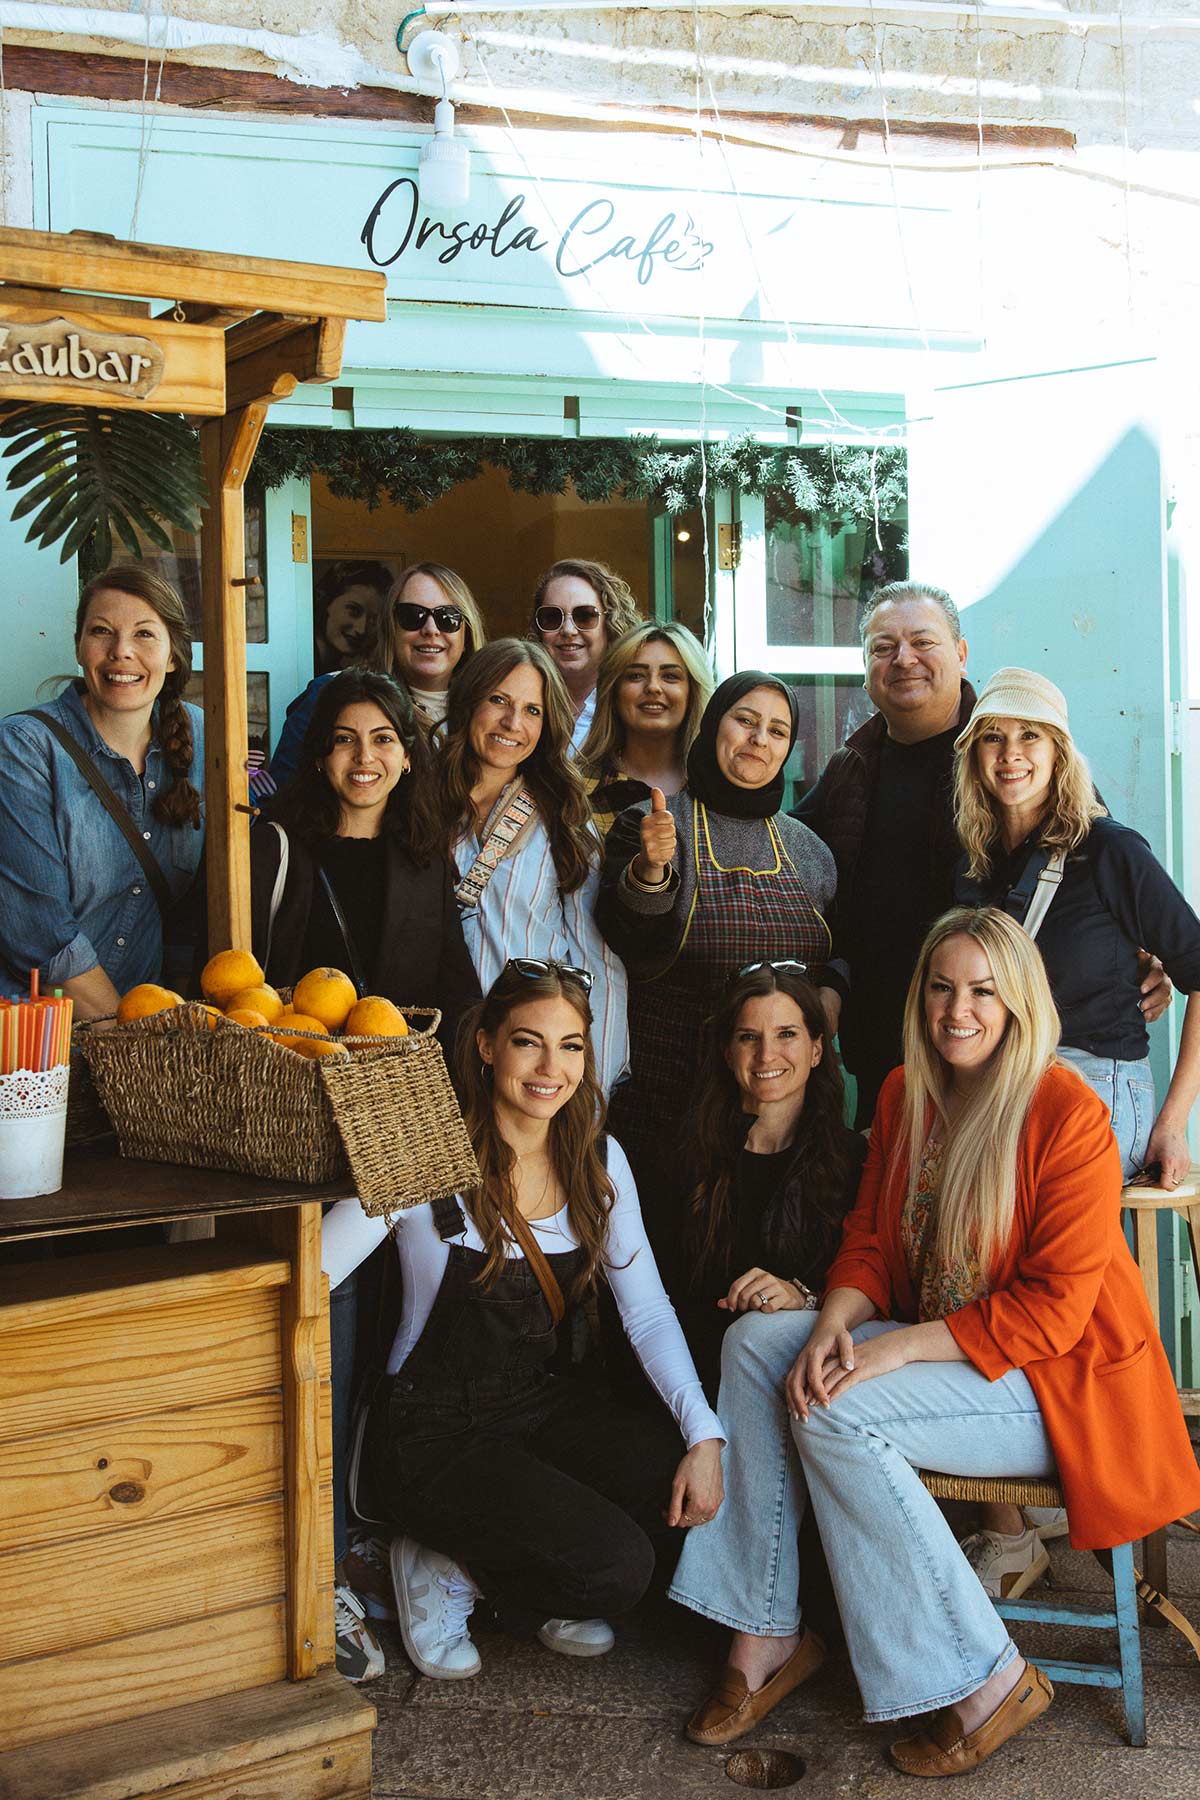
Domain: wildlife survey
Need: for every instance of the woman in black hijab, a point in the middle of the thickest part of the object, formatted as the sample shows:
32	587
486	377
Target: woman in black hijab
694	887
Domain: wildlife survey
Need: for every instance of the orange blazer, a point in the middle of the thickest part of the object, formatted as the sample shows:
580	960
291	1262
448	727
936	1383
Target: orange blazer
1066	1305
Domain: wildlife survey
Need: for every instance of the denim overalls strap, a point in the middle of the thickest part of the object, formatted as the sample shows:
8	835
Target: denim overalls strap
483	1346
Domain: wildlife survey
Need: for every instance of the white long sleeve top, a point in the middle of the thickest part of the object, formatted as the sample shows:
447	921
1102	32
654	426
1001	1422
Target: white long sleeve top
348	1236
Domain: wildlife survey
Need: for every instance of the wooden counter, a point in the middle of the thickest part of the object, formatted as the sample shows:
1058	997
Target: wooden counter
166	1496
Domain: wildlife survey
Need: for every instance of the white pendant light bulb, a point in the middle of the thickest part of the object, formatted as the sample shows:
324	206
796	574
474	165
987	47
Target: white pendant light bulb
444	166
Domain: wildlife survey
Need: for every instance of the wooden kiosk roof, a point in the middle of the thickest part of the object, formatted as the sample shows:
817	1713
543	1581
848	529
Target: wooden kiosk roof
239	332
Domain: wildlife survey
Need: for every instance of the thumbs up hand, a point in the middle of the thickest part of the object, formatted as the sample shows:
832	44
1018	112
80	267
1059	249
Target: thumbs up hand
658	842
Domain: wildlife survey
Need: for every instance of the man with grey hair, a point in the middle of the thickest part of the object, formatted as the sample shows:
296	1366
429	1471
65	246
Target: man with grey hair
884	806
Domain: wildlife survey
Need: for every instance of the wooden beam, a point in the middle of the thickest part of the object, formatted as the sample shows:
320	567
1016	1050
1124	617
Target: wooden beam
14	295
227	449
92	260
263	329
220	316
307	353
179	368
214	90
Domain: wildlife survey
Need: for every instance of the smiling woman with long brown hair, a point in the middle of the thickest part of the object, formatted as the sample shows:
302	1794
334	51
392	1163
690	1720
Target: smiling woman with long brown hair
516	821
510	1484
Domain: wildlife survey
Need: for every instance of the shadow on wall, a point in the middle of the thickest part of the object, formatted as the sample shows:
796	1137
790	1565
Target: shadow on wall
1086	604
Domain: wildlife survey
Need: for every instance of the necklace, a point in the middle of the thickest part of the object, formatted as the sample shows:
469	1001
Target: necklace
536	1210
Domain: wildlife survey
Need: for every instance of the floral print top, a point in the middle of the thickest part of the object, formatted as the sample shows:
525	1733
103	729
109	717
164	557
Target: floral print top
943	1287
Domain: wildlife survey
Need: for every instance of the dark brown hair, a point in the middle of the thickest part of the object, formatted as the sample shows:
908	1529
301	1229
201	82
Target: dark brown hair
802	1229
309	806
574	1140
180	803
548	771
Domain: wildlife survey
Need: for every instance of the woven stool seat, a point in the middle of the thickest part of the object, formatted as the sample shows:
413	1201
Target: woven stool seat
1003	1490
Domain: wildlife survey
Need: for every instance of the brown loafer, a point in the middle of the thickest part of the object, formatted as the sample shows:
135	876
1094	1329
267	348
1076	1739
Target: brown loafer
943	1748
731	1709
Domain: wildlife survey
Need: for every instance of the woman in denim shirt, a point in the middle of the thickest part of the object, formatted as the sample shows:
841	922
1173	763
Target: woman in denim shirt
74	901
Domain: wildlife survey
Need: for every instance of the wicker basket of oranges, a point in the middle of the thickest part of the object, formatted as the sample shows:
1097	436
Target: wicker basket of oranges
277	1083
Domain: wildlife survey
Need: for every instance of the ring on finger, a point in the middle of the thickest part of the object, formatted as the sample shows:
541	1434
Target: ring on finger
762	1300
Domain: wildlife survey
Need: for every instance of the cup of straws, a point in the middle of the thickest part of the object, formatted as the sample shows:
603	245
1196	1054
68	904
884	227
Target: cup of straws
35	1057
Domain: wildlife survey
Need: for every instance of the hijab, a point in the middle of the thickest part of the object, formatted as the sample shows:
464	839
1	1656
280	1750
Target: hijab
704	778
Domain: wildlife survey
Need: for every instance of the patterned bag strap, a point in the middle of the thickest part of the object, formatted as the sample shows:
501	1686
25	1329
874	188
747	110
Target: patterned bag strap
500	839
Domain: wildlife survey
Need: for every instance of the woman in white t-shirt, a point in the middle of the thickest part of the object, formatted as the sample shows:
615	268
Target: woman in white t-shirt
509	1481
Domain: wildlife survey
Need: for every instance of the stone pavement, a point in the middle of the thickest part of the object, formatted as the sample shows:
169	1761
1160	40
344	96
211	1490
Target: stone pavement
535	1726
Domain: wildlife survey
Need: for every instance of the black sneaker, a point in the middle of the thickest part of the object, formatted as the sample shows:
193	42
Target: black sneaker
359	1655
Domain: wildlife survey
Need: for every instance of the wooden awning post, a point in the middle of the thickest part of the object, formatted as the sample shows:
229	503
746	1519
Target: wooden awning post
227	448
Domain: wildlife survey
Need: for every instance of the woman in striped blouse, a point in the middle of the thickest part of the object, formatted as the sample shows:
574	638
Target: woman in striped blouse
516	818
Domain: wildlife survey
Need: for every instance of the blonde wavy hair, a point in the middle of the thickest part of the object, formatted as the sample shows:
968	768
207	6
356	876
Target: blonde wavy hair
606	738
614	596
979	1162
1070	807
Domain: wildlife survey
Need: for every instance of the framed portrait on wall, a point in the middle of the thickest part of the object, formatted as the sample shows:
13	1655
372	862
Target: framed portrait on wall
348	598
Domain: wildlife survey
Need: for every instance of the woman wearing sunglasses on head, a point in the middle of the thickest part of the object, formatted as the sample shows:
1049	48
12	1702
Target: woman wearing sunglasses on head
514	1486
428	629
579	609
693	885
769	1169
654	685
515	815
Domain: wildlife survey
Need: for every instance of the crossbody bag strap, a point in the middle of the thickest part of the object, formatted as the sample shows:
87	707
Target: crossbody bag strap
277	892
526	1239
1028	899
356	964
113	805
500	839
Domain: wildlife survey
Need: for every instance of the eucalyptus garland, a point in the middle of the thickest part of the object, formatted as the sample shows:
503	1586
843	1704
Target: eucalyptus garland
842	485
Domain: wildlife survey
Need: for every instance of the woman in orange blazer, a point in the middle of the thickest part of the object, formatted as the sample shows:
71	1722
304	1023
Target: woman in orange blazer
983	1317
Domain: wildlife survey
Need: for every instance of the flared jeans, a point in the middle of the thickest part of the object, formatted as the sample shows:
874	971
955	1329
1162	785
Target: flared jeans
920	1630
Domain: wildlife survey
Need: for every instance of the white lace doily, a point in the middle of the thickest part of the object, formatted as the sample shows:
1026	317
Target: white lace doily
33	1094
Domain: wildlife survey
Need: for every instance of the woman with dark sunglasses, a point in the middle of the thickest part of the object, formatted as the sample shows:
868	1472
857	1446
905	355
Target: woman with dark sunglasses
512	1486
770	1169
429	628
579	609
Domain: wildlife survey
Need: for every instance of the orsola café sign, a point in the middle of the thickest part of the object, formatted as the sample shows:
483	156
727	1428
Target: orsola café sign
118	360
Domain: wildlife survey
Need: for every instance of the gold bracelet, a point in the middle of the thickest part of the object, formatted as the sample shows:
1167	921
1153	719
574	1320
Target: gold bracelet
648	887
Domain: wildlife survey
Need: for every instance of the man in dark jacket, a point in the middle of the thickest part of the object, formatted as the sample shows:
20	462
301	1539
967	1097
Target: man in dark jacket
884	806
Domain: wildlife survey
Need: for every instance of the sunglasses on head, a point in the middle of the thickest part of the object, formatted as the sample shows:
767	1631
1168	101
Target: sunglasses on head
552	618
534	968
786	962
410	617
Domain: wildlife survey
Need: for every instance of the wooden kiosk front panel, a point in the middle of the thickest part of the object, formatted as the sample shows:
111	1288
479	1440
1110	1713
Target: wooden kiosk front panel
143	1475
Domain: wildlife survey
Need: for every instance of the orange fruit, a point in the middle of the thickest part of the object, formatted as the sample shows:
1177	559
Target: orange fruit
325	1048
227	973
261	999
297	1022
325	994
245	1015
145	999
375	1017
214	1013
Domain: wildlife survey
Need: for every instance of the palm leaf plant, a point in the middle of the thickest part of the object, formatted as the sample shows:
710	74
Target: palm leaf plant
88	472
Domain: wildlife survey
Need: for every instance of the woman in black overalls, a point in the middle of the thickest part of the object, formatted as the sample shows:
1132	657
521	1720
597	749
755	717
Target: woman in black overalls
511	1481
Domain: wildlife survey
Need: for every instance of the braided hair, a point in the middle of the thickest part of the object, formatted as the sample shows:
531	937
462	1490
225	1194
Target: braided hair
179	803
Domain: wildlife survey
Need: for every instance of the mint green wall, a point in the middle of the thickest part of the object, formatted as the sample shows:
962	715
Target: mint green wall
37	614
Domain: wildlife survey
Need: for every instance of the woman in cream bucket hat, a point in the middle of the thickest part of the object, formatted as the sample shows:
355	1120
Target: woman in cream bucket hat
1025	808
1023	792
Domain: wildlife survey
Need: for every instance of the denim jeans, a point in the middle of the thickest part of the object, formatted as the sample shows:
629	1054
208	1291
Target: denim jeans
1127	1089
920	1630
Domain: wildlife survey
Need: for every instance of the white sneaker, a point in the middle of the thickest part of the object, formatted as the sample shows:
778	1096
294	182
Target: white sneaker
358	1651
577	1637
1006	1565
1048	1521
434	1600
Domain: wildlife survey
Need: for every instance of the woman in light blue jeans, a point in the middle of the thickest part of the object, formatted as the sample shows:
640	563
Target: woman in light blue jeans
983	1316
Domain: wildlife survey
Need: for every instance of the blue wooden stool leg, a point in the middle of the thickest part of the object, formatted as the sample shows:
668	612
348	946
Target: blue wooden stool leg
1125	1597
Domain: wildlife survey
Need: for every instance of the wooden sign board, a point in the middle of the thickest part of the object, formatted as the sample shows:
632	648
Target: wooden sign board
60	353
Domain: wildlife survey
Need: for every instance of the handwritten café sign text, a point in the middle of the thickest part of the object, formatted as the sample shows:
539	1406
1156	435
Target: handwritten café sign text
58	353
595	235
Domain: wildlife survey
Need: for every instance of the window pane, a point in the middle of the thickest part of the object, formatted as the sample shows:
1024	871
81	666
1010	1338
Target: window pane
831	707
820	575
687	569
258	706
180	565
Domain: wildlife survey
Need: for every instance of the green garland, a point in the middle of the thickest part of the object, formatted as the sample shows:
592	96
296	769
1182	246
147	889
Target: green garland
841	485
